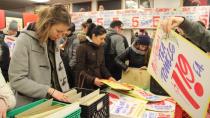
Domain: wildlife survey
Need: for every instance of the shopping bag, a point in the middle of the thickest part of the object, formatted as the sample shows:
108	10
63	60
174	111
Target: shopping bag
137	76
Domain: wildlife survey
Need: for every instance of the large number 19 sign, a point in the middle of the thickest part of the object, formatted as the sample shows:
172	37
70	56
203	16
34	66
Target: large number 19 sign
187	76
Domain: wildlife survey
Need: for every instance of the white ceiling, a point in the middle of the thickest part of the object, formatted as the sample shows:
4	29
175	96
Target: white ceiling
20	4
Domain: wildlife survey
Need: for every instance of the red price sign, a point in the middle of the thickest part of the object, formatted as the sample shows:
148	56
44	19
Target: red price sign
135	22
185	80
156	20
100	21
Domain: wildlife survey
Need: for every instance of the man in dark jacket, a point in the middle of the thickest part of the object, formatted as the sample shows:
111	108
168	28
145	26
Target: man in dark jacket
115	45
90	67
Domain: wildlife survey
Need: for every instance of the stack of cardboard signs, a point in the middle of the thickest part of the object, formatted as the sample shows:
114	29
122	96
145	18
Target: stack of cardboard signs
49	110
75	96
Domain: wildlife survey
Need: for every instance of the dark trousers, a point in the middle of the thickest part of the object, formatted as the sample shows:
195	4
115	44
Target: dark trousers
156	88
72	78
113	68
69	71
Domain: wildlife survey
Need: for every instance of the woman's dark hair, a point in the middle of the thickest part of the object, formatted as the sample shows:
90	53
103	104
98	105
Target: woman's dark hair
89	21
72	27
97	30
84	25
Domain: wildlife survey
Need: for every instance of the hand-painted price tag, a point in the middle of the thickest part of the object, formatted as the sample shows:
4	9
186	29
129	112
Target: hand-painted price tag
184	69
156	20
115	18
135	18
100	21
135	22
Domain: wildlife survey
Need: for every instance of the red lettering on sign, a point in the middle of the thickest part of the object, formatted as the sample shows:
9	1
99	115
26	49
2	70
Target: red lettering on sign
156	20
115	19
135	22
187	75
100	21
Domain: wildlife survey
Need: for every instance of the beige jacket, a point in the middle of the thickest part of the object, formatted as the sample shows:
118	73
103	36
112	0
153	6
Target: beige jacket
6	93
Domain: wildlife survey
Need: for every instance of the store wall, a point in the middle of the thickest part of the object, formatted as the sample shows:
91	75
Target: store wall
30	9
94	5
18	10
110	4
22	18
85	5
167	3
128	34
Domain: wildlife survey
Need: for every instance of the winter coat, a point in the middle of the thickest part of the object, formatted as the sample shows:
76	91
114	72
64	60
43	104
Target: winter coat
117	46
30	69
197	34
135	57
6	93
69	58
118	42
70	49
90	64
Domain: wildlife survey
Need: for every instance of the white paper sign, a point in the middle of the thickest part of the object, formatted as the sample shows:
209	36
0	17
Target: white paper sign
182	70
141	18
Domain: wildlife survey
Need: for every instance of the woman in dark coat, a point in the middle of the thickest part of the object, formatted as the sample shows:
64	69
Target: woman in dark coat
90	67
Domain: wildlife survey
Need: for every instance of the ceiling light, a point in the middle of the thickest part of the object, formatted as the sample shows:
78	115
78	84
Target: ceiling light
40	1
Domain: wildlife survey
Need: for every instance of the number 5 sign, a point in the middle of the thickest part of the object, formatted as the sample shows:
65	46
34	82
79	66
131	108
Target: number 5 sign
182	70
100	21
135	22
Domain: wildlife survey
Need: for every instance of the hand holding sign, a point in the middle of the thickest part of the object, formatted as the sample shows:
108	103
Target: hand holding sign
181	69
171	23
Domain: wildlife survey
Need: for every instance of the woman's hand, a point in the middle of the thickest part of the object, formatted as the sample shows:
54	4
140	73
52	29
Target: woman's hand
171	22
3	108
111	78
58	95
98	82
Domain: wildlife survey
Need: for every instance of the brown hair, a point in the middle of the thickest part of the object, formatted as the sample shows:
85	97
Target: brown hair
48	17
84	25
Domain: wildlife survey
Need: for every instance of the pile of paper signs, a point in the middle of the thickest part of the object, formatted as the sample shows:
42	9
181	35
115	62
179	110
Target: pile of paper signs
138	103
